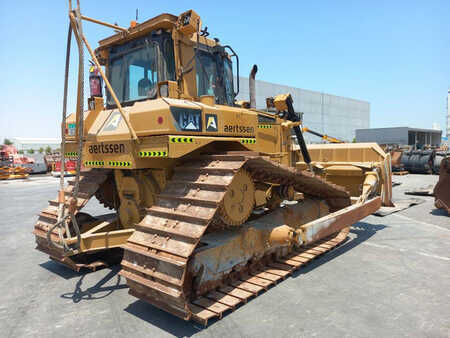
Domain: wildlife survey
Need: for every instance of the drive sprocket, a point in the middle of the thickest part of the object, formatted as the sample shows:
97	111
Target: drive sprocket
107	193
239	200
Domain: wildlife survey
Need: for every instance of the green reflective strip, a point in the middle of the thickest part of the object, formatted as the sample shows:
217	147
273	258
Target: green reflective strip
94	163
73	153
264	126
248	141
152	153
181	140
119	163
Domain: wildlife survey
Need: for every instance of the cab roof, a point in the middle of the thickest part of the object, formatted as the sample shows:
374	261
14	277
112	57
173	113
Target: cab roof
162	21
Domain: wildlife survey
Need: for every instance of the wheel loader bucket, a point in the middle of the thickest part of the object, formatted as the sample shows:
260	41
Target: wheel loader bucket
348	165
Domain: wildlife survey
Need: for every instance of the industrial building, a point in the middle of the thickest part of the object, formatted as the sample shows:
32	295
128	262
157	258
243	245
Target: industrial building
325	113
25	144
400	136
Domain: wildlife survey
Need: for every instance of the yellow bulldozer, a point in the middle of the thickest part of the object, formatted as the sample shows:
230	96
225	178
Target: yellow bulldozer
197	181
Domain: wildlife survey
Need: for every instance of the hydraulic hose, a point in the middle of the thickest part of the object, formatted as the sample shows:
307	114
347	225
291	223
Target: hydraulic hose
292	116
251	85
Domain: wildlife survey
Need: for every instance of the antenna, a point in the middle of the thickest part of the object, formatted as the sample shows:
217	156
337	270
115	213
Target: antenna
137	13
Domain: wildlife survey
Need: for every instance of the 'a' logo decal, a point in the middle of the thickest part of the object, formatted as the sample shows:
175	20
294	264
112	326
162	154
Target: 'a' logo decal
211	122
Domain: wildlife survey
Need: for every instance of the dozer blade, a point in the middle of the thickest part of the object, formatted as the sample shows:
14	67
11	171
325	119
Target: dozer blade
347	165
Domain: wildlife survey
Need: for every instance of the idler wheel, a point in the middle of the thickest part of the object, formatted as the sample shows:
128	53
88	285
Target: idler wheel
239	200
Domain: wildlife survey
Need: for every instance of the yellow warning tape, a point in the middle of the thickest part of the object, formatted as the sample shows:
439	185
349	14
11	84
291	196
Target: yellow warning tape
153	153
93	163
73	153
119	163
248	141
264	126
181	140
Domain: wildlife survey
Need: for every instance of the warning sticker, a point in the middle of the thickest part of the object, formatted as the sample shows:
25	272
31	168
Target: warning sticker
71	129
113	121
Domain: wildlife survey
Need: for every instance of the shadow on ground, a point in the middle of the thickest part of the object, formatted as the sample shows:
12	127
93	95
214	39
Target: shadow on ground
180	328
164	320
99	290
60	270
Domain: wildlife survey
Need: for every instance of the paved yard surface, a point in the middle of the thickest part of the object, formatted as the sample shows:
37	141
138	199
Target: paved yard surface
390	279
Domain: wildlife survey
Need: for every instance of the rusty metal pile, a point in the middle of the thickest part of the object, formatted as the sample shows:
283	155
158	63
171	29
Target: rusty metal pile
442	189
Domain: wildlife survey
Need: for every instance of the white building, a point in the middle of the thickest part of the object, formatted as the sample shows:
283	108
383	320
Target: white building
24	144
329	114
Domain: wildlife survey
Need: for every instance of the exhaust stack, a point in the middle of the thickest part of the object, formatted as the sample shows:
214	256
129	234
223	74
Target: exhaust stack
251	83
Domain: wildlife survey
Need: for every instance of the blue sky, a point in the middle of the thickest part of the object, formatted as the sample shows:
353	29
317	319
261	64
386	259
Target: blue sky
394	54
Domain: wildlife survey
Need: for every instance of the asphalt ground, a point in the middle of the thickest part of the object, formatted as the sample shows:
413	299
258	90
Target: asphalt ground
390	279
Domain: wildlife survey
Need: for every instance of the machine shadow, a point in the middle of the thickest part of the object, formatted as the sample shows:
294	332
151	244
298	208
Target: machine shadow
164	320
363	232
60	270
98	291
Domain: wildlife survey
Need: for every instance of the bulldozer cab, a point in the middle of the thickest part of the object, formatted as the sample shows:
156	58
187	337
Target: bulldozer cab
158	53
135	67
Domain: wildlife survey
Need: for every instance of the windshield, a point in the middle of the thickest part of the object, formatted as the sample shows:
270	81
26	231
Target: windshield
215	77
136	67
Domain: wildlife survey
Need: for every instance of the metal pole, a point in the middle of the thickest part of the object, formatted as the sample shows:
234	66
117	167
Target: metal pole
108	85
104	24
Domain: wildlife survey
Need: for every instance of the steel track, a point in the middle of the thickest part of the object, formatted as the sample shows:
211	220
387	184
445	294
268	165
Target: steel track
157	255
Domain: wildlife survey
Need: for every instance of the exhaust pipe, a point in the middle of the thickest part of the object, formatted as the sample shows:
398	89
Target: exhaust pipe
251	84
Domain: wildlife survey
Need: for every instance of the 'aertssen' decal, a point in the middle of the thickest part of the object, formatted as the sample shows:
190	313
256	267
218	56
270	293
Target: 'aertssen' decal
238	129
102	148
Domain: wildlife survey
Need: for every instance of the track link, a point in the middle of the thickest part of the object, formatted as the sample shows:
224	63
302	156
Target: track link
157	255
90	181
226	298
